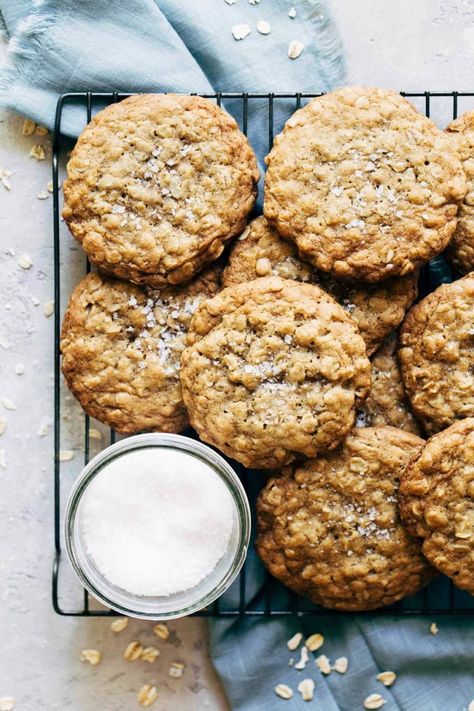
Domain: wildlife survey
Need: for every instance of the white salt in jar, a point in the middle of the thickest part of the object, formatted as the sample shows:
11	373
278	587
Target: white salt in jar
157	526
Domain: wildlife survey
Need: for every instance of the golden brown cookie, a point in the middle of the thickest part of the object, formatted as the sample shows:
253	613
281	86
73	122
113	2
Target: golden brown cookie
121	347
274	368
377	309
437	501
436	355
329	528
461	247
364	185
156	185
387	403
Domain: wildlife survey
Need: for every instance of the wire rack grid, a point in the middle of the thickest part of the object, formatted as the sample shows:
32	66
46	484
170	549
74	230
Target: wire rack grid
251	594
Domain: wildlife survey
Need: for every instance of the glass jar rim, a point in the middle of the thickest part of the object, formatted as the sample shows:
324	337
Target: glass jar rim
169	441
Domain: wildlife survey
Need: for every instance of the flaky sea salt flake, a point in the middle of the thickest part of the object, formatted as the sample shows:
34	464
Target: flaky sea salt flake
304	658
264	27
3	459
25	261
292	13
42	195
7	403
7	703
65	455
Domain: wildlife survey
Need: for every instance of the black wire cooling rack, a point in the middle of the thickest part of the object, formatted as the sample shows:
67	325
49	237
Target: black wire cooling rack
255	592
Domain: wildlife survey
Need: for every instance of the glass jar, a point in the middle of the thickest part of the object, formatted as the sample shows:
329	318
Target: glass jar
177	604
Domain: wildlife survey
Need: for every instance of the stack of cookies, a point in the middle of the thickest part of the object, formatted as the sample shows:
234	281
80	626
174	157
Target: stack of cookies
283	353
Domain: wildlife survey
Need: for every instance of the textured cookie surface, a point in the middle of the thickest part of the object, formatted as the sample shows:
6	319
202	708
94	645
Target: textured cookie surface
437	501
387	403
437	355
461	247
156	185
274	368
363	184
121	347
377	309
330	529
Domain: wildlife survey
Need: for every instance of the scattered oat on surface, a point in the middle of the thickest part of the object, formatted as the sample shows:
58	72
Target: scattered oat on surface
4	178
295	48
48	309
323	664
264	27
303	660
7	403
176	670
434	628
293	642
65	455
120	623
3	425
315	641
306	689
374	701
43	431
41	131
93	656
28	127
96	434
3	459
147	695
19	368
161	630
7	703
341	664
25	261
241	31
292	13
38	152
133	651
42	195
283	691
150	654
387	677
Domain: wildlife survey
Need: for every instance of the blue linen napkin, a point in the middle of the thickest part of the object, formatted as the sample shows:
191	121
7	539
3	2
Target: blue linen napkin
177	45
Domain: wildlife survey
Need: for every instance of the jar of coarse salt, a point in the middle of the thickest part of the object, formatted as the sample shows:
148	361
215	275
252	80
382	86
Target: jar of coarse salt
157	526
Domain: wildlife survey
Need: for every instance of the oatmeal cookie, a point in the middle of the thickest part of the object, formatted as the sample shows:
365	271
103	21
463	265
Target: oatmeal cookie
377	309
273	368
461	247
363	184
437	501
436	355
387	403
121	347
329	528
156	185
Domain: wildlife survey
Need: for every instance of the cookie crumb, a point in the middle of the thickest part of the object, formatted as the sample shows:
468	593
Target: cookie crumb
341	664
374	701
147	695
7	403
283	691
38	152
295	48
176	670
150	654
304	659
48	309
306	689
28	127
387	677
241	31
315	641
323	664
96	434
65	455
93	656
120	623
434	628
264	27
25	261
